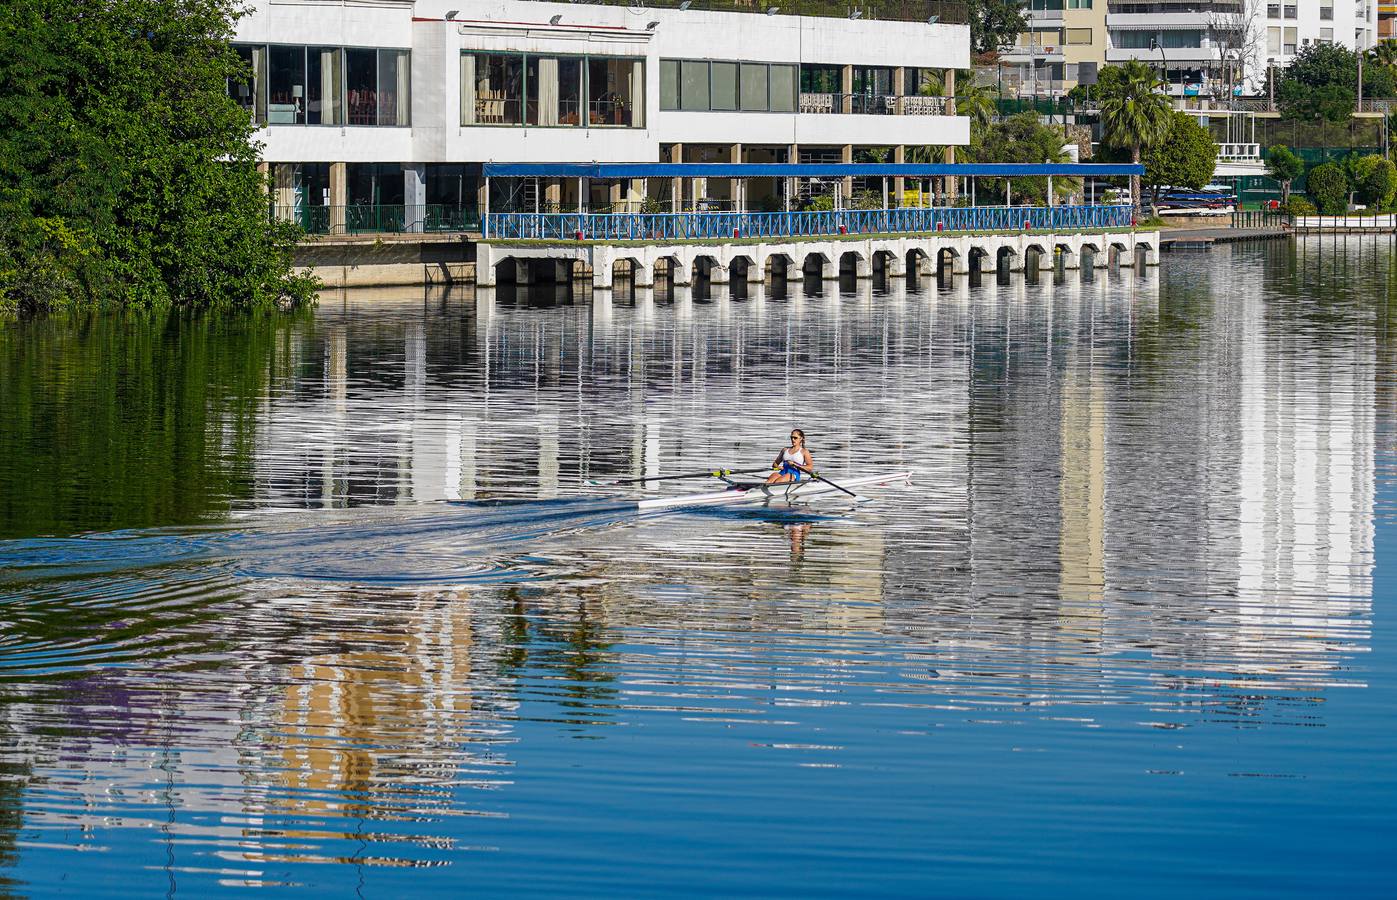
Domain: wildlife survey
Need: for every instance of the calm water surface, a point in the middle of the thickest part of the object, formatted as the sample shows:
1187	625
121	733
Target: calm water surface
325	604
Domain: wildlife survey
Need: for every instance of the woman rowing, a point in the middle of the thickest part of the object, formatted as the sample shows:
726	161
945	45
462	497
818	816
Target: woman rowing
794	462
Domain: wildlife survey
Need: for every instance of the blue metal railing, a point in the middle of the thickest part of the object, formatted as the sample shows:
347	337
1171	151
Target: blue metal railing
720	225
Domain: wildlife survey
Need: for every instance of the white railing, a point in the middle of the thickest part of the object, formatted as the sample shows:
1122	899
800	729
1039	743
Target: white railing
1244	152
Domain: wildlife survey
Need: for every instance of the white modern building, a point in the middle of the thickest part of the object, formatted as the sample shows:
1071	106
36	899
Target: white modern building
393	105
1203	48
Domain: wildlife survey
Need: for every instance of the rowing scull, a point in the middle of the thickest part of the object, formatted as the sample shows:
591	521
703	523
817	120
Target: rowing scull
760	492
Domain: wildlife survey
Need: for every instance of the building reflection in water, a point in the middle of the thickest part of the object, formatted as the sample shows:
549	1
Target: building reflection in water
1125	493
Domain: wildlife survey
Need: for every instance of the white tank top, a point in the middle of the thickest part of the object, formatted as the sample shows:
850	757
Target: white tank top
797	456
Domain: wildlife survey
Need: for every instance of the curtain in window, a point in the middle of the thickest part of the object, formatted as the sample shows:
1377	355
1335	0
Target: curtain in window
467	88
547	91
402	114
637	94
259	82
330	86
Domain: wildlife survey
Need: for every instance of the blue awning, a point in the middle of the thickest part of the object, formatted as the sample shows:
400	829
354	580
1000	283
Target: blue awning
803	170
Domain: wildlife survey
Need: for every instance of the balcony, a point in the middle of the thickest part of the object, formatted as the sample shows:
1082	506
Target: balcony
945	12
871	104
1174	21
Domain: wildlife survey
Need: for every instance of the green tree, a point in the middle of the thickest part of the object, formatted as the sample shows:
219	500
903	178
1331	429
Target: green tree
1134	114
1374	181
995	24
1185	158
127	175
1284	166
1322	83
1327	185
1023	139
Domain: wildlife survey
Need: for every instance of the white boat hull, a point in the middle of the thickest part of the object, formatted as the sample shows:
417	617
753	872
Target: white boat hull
797	492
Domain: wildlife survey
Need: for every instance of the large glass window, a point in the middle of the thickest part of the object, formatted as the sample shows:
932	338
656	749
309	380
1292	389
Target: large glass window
520	89
249	91
615	91
286	86
693	85
783	88
754	87
669	84
821	80
499	89
376	86
323	75
723	78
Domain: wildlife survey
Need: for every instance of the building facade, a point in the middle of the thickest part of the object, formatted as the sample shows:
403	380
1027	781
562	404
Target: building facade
390	107
1205	49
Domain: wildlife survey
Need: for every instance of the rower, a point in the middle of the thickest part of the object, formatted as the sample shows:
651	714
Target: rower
793	462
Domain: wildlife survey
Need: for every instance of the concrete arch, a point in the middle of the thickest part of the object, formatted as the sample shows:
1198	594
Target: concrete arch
853	262
1037	257
1118	255
916	260
672	269
816	265
1064	254
888	262
742	267
779	265
706	265
630	269
979	256
1145	254
1007	259
949	262
1090	255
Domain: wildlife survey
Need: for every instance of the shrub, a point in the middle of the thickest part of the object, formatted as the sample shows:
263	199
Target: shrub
1328	186
1298	206
822	203
1375	181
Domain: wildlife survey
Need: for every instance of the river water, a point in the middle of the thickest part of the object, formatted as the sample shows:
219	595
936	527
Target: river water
324	603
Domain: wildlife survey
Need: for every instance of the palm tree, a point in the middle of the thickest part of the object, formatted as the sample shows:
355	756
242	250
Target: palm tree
1134	114
1384	53
976	101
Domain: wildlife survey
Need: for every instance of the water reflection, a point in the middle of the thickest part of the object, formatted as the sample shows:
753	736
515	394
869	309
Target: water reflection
1140	501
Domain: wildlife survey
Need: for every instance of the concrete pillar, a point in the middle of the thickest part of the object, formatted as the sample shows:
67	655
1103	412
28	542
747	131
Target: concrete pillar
553	196
790	190
846	155
523	272
644	274
756	272
899	88
846	89
1071	259
614	195
1046	260
484	265
735	184
415	196
676	185
717	273
897	265
899	183
339	196
680	271
863	265
284	190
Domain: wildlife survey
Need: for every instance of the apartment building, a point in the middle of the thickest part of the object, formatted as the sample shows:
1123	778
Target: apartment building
1203	48
395	104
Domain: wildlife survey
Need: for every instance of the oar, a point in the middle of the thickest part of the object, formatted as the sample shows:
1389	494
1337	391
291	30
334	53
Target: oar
819	477
711	473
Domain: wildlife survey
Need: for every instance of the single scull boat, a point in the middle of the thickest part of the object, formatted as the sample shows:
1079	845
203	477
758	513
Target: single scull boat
761	492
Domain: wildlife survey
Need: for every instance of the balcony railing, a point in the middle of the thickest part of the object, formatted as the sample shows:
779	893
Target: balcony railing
946	12
819	103
729	225
380	218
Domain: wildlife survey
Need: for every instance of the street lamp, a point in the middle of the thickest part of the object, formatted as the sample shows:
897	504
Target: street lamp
1164	66
1271	83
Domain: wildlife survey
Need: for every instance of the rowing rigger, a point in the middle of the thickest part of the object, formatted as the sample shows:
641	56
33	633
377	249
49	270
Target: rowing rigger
761	492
